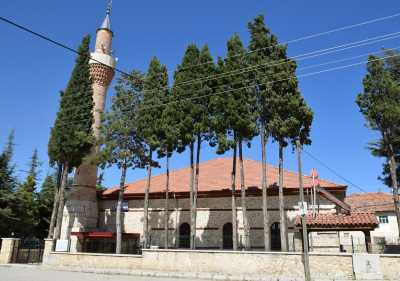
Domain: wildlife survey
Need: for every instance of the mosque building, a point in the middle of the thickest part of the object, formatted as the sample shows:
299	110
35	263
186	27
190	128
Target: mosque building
89	214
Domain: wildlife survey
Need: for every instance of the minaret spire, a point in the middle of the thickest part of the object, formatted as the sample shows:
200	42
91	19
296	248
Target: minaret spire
107	22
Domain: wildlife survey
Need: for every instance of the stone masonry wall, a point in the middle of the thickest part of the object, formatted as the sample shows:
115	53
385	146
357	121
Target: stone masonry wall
212	214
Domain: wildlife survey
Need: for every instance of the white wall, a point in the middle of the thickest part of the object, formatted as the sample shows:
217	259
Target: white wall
388	230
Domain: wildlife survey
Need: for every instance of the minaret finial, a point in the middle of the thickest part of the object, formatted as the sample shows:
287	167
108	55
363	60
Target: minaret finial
109	7
106	23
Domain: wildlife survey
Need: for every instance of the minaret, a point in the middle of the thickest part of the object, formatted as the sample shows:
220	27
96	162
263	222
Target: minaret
102	72
81	212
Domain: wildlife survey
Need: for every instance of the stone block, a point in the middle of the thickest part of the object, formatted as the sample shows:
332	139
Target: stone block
367	267
7	247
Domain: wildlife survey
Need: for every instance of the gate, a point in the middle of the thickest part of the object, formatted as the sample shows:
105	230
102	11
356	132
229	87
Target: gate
28	251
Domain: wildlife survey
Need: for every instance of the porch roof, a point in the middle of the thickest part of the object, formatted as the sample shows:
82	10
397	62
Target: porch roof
340	222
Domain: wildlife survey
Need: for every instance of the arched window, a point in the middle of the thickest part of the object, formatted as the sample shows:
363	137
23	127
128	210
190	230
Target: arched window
275	237
227	239
184	236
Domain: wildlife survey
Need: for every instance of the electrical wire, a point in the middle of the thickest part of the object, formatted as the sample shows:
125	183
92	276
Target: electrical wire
271	82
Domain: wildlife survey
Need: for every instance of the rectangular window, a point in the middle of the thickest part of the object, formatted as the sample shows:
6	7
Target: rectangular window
383	219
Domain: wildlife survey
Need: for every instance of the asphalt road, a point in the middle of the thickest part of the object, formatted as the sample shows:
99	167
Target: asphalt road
35	273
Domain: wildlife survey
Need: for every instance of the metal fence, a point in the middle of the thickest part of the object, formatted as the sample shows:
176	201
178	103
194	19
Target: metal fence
28	251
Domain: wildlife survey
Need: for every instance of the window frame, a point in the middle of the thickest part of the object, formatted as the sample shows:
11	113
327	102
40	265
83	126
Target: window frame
383	219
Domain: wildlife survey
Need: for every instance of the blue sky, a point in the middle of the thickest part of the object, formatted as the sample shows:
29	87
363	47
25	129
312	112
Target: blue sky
32	71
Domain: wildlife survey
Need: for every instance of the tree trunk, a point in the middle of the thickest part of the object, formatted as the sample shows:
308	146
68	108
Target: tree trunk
196	185
246	225
306	262
284	240
50	235
166	213
118	219
264	184
146	204
233	190
60	211
192	211
395	186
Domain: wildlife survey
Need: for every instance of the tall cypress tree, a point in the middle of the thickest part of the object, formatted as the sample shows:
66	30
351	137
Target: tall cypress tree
154	93
71	136
234	121
169	132
203	128
282	121
193	114
263	48
185	109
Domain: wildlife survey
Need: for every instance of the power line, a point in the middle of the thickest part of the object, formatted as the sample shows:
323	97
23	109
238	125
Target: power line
313	54
275	81
57	43
345	59
311	36
334	171
271	82
316	65
322	64
300	57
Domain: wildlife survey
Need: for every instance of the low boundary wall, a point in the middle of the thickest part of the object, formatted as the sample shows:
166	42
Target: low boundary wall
229	265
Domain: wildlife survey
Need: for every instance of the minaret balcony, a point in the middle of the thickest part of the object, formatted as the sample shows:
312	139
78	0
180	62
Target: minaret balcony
102	58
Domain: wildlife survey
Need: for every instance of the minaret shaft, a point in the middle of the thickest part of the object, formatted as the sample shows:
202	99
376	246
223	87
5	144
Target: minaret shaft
81	210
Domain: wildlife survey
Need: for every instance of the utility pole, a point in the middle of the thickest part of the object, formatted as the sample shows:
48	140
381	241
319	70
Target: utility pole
303	212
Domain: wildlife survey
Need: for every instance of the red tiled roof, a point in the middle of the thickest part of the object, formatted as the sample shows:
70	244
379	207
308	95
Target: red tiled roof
215	175
340	221
370	202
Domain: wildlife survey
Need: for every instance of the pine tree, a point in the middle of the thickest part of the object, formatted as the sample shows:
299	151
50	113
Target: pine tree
26	197
8	184
380	104
262	54
45	201
71	136
154	93
121	144
234	121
